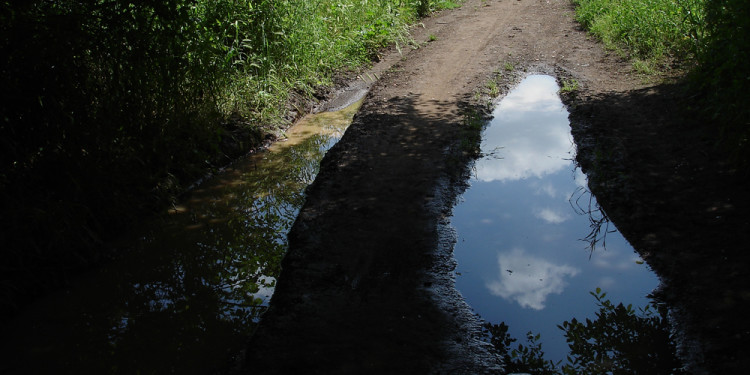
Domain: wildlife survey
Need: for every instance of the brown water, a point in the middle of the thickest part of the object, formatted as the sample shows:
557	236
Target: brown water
193	284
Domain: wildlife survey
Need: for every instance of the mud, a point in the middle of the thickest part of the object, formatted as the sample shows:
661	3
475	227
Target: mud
366	285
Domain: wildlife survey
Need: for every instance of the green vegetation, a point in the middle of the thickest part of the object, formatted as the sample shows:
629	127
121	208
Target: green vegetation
650	31
569	86
709	38
620	340
493	90
110	108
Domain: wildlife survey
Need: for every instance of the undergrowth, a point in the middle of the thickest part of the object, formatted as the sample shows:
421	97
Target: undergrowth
651	32
708	39
110	108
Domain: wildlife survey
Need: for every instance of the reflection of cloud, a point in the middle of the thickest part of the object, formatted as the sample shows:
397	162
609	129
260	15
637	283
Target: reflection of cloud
536	93
529	280
606	282
612	259
530	131
552	217
547	189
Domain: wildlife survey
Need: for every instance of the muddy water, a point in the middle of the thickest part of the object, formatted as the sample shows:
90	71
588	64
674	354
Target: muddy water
194	283
520	256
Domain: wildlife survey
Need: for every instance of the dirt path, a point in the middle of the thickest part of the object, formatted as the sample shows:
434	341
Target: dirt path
366	285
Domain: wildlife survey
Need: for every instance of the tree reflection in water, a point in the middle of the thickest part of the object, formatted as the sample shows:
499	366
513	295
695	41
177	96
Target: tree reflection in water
190	292
619	340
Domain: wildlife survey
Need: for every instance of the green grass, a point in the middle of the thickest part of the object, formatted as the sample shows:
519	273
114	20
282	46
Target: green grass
708	39
112	108
312	40
649	31
569	86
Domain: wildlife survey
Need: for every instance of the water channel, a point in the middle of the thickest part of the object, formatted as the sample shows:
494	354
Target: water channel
519	225
191	289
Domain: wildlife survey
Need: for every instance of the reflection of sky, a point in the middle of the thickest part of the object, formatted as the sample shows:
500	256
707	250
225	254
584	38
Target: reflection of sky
519	254
528	280
527	148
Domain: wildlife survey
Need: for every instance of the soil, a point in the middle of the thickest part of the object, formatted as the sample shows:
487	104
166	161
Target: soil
367	286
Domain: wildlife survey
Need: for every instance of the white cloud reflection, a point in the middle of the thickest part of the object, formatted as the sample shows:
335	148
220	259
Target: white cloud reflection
529	132
551	216
528	280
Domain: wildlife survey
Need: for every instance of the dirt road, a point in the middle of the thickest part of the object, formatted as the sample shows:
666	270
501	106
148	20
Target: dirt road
366	284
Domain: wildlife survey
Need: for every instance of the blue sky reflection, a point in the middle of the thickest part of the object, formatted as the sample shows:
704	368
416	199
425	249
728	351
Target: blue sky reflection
519	253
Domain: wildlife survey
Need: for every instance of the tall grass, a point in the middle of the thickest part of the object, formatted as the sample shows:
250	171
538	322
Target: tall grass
651	32
304	45
709	37
111	107
723	79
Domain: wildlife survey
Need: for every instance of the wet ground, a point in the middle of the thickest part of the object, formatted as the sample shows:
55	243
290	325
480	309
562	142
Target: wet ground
367	285
522	226
194	282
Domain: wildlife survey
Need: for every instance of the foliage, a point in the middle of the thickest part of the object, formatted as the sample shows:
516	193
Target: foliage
521	359
723	77
648	30
711	37
620	340
110	108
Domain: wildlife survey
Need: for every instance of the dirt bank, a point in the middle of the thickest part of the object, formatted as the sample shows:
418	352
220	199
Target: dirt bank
366	284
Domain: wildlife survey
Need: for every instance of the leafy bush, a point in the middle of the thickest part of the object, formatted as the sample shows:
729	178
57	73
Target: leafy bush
620	340
521	359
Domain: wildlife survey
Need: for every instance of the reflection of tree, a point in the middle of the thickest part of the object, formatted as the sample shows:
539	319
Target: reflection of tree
187	297
620	340
584	203
523	358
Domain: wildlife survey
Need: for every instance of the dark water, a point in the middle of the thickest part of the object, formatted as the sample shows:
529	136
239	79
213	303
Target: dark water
195	282
520	256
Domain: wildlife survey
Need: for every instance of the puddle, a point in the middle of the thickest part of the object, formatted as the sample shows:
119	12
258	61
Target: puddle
193	287
520	256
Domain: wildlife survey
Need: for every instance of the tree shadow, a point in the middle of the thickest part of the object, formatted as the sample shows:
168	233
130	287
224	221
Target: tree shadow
655	167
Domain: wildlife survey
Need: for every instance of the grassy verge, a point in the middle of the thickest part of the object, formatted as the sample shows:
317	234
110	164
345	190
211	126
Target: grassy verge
654	33
110	108
708	38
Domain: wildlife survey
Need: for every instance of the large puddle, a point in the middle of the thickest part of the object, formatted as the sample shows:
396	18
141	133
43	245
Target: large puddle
520	256
195	283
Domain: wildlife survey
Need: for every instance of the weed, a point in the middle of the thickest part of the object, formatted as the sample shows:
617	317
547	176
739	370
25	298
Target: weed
493	88
569	86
